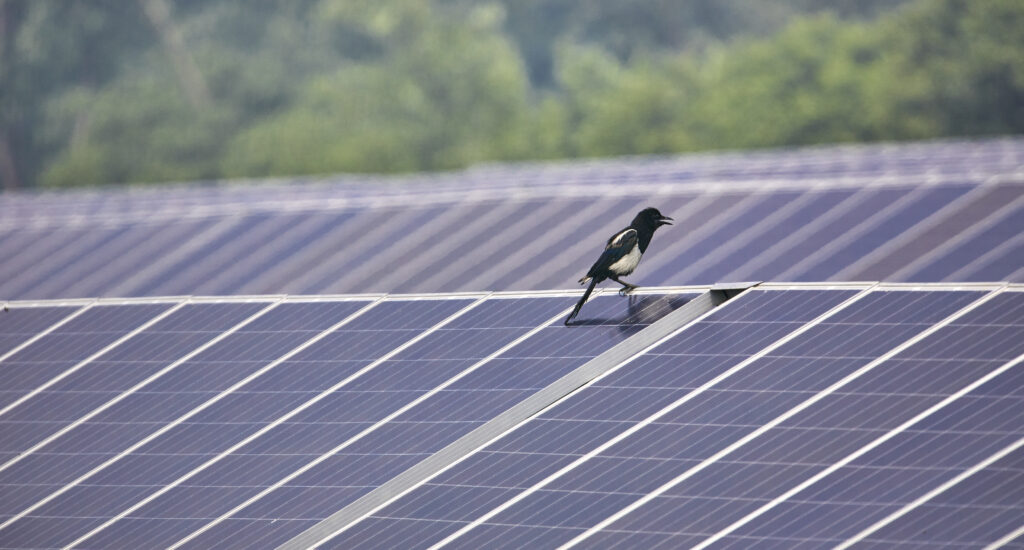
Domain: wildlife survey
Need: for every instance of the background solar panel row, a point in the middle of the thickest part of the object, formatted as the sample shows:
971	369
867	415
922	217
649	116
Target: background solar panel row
215	404
915	212
863	412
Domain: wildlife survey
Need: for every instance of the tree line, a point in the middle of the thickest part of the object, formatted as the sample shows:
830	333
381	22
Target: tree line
112	91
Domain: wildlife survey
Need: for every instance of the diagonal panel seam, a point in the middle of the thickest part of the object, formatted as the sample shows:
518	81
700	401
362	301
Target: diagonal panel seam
652	418
505	423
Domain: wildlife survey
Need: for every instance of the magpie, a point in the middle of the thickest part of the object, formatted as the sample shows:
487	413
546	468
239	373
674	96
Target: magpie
622	253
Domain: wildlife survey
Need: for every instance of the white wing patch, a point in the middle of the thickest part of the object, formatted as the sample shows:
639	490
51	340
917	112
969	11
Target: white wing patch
626	264
617	240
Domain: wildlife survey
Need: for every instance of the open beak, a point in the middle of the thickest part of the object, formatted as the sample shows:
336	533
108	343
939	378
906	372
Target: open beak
665	220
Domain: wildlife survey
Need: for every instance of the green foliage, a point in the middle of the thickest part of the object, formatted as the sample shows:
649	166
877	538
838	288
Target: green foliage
97	92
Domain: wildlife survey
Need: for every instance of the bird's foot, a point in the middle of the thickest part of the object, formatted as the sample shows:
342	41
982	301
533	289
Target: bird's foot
627	289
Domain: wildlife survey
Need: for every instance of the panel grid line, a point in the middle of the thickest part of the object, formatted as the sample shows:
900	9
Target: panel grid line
779	419
1006	539
652	418
284	418
189	414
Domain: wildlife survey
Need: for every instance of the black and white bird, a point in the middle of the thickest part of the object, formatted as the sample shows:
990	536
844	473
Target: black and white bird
622	254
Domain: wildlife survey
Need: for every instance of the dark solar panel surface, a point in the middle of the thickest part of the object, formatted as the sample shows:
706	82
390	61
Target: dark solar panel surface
65	346
244	423
588	419
910	212
463	405
145	437
18	326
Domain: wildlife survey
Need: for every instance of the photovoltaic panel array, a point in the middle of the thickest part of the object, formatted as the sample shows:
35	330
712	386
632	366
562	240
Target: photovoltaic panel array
939	211
242	422
789	419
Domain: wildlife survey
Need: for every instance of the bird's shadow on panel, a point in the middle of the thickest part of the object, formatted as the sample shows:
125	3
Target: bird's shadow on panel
640	312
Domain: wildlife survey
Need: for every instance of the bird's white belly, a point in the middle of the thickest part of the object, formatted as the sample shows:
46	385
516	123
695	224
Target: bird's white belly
626	264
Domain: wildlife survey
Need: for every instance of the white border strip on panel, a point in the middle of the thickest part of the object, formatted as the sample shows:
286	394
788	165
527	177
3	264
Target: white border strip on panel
206	404
48	330
780	419
932	494
60	433
284	418
652	418
858	453
1006	539
303	540
313	463
472	295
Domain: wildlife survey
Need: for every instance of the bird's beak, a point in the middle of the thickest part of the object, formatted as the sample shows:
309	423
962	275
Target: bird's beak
665	220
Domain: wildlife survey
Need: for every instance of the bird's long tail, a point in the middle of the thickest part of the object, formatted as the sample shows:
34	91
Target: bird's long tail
583	300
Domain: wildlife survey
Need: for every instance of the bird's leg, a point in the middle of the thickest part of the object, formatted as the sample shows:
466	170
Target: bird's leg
626	287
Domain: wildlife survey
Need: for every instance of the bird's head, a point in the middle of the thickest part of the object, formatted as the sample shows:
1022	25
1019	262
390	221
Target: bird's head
651	218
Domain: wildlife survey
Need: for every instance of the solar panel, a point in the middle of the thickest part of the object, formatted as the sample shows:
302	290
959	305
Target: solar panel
687	459
19	327
333	384
909	212
70	344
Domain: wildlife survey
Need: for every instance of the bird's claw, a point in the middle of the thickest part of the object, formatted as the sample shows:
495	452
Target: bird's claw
627	290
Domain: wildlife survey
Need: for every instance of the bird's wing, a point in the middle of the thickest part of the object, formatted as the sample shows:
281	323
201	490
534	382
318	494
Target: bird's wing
618	246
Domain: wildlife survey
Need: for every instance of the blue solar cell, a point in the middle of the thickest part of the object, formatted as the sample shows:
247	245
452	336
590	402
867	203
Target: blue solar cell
18	325
968	252
62	348
1002	265
819	204
696	251
275	252
363	246
982	204
559	435
839	225
445	416
70	246
171	277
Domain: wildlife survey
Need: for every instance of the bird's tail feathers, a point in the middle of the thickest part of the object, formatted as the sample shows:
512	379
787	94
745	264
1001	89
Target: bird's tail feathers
584	280
583	300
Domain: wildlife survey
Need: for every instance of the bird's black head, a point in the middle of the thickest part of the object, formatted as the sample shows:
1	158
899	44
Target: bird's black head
651	219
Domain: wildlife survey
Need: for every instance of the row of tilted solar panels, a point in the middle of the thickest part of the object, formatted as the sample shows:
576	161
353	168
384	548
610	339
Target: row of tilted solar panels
950	232
788	417
967	159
